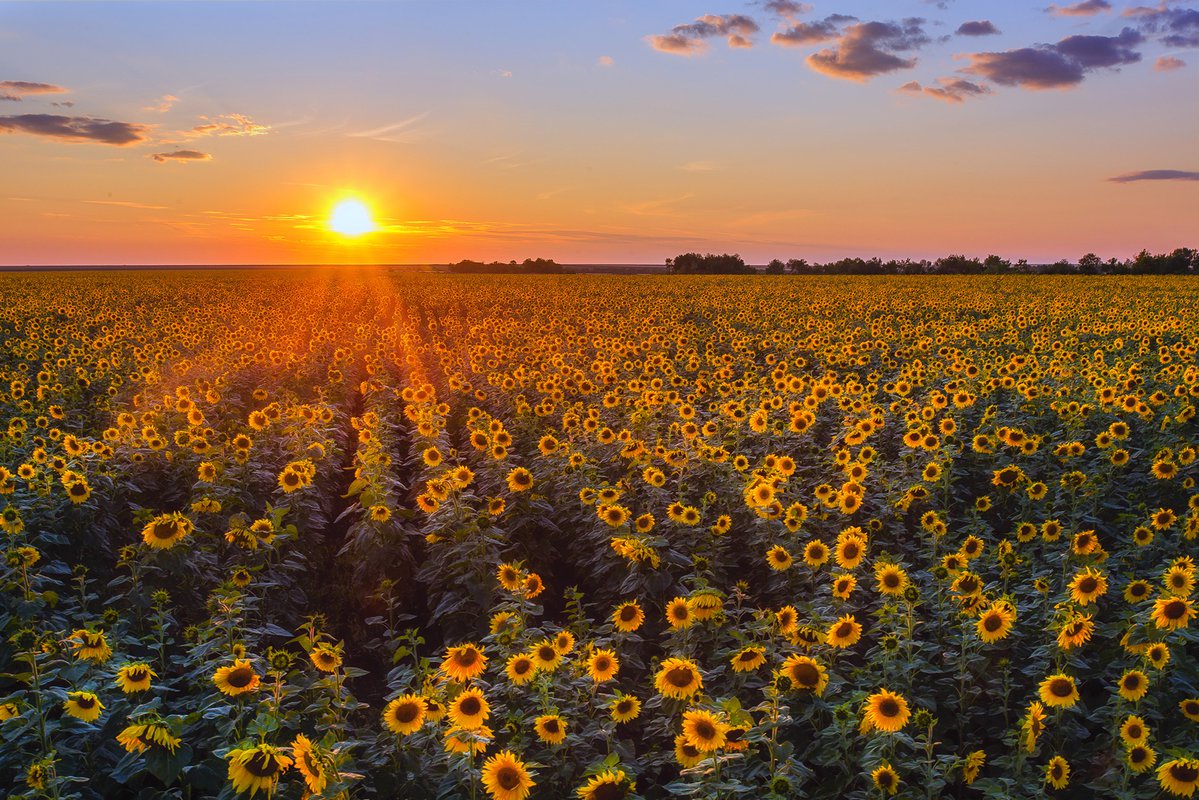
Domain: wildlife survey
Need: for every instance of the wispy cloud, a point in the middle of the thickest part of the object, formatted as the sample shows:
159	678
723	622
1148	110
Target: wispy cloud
949	90
181	156
124	204
16	90
76	129
162	104
1087	8
1168	63
392	131
229	125
1156	175
691	38
662	207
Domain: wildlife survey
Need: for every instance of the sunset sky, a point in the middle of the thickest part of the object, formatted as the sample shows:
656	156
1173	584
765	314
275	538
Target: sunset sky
156	133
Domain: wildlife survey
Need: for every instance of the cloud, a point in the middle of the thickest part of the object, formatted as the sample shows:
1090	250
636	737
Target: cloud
690	39
868	49
982	27
76	129
803	33
949	90
604	61
1056	66
181	156
1087	8
1156	175
1178	27
392	131
229	125
16	90
162	104
786	8
1167	63
124	204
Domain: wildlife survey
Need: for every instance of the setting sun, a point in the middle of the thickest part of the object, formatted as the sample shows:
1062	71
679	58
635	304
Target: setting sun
351	218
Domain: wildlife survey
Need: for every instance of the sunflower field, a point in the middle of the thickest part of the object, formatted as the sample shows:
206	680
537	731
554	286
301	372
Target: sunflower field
376	534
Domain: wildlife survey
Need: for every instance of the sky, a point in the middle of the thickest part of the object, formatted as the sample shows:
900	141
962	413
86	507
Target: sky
596	132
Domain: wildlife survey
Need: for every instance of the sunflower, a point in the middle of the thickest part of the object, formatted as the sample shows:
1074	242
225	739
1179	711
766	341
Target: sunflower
1076	631
140	737
815	554
405	714
628	616
533	585
1033	725
1190	708
520	480
678	613
704	731
850	552
1137	591
996	622
1179	579
806	674
1140	757
892	580
748	658
972	547
1179	777
550	728
843	586
1134	731
1133	685
973	766
787	619
686	753
470	710
603	665
135	677
1059	690
967	584
236	678
510	577
678	678
520	669
311	762
1157	654
845	632
545	656
625	708
83	705
255	769
90	646
886	779
564	642
166	530
464	662
1057	772
474	742
325	658
886	711
608	785
1087	586
778	558
1172	613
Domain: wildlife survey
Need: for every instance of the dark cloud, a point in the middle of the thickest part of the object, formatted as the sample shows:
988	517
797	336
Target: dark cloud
786	8
181	156
691	38
15	90
1056	66
1087	8
1156	175
1178	27
868	49
802	33
75	129
1167	63
949	90
982	27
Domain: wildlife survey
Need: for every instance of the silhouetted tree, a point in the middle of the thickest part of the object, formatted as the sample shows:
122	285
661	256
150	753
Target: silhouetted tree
775	267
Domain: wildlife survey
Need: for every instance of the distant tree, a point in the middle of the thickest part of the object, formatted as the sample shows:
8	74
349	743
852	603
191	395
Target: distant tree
709	264
1090	264
996	265
775	267
797	266
958	265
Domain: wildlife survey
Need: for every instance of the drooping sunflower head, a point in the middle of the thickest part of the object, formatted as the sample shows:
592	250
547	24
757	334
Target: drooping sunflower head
748	658
314	764
257	769
611	784
134	677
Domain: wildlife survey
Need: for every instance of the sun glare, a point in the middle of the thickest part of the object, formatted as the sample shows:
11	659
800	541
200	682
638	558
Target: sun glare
351	218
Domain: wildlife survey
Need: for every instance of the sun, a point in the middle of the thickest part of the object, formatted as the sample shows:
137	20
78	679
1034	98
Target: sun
351	218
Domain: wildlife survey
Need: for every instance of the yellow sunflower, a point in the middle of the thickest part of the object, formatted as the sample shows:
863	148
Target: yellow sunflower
1087	586
545	656
845	632
405	714
1059	690
135	677
996	622
611	784
815	554
625	708
470	709
83	705
678	678
1133	685
703	730
1057	772
550	728
1134	731
1179	777
603	665
520	669
748	658
1140	757
1172	613
778	558
311	762
886	711
628	616
806	674
686	753
464	662
256	769
166	530
678	613
886	779
236	678
891	578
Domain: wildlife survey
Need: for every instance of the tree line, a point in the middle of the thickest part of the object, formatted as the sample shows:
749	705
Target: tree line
530	266
1182	261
